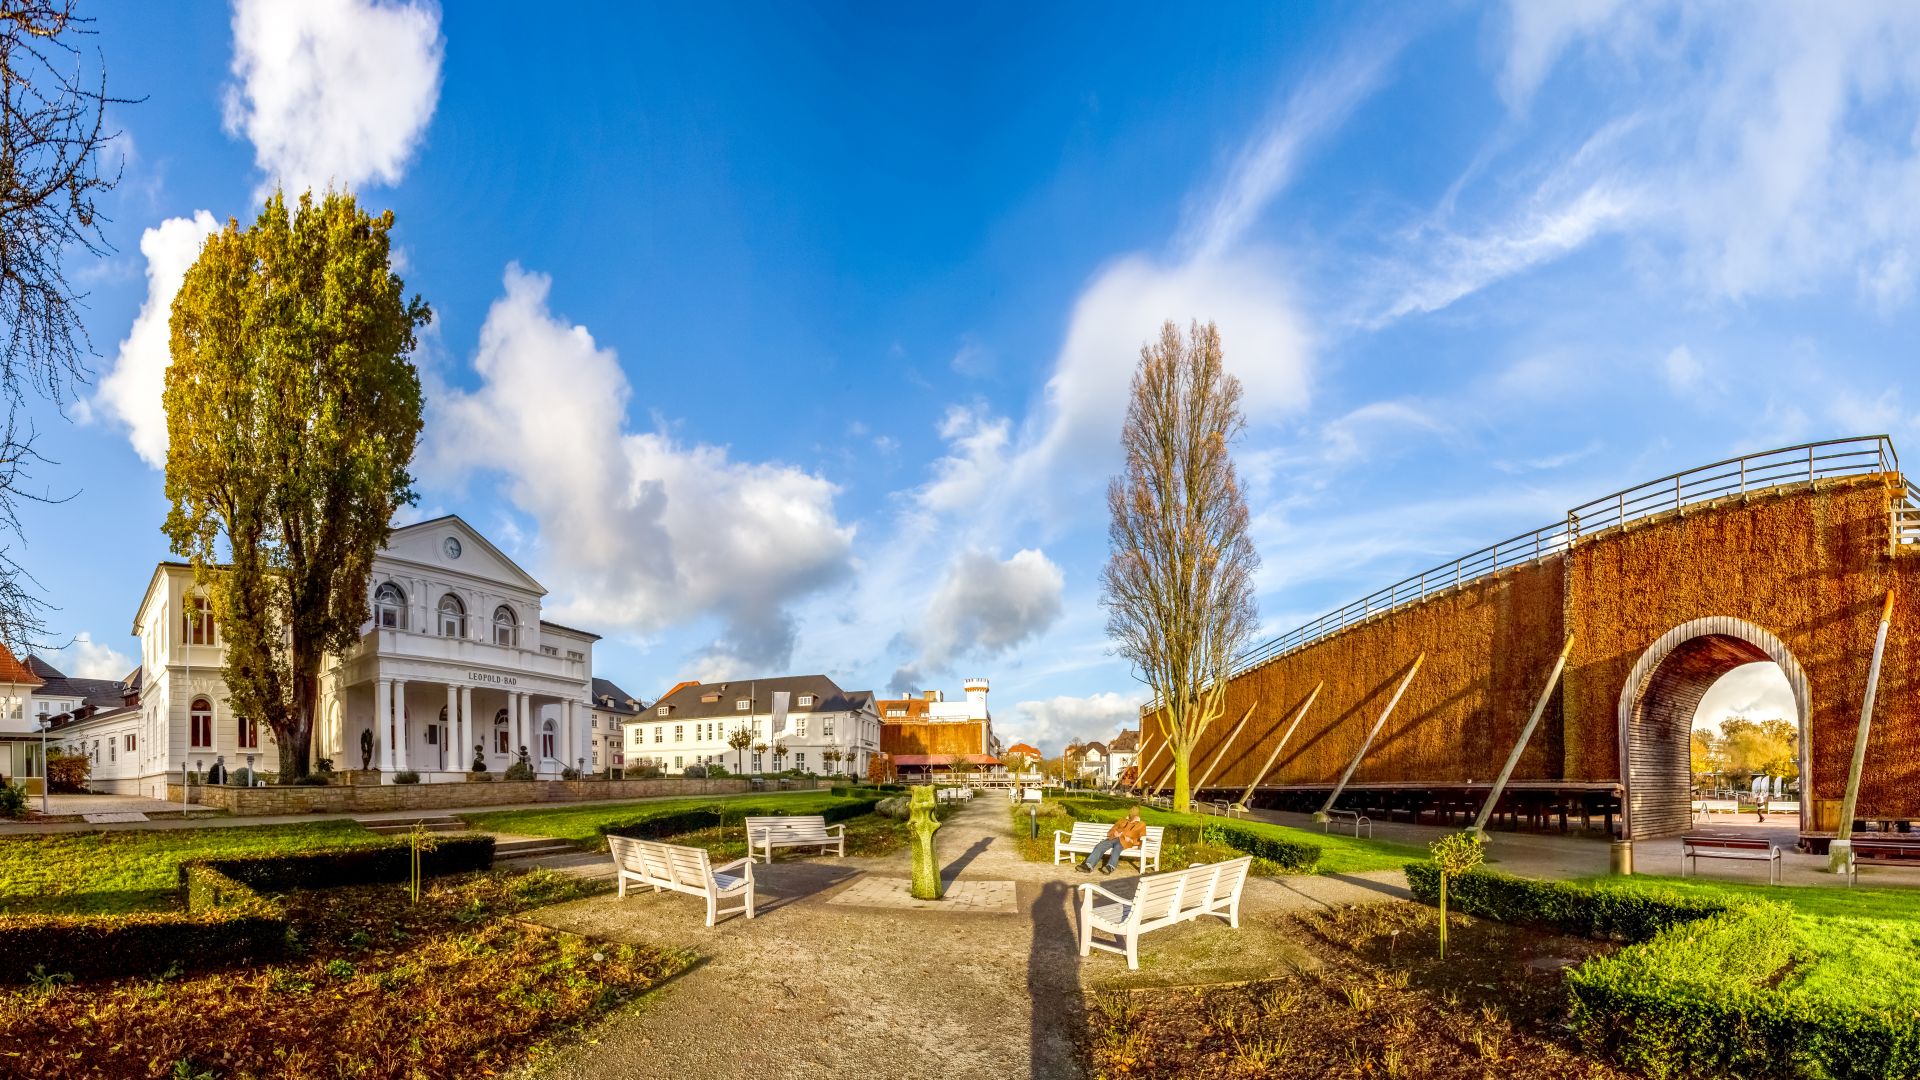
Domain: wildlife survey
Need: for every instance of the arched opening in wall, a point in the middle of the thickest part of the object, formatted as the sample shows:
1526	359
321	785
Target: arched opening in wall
1746	742
1663	701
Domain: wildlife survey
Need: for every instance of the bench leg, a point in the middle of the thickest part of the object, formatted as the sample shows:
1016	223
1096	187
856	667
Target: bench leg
1133	951
622	877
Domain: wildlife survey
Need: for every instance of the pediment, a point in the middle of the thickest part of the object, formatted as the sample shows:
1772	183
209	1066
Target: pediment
426	543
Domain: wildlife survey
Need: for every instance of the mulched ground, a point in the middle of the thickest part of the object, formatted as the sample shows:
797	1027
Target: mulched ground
1372	1000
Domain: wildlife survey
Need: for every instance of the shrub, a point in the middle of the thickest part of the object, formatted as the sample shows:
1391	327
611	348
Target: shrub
661	826
314	780
439	854
569	773
644	771
521	769
406	776
68	773
1291	856
1597	911
241	777
13	800
842	790
479	778
694	772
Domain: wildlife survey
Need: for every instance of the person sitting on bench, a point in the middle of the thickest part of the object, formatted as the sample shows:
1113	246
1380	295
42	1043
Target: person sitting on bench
1124	836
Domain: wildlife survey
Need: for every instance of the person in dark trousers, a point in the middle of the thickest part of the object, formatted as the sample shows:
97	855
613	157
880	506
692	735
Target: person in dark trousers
1125	835
218	774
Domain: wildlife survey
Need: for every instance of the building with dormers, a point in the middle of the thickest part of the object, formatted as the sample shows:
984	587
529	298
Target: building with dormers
455	661
612	708
821	728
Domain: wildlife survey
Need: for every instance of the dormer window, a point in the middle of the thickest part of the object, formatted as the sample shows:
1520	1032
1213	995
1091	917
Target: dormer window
389	607
662	710
806	700
742	705
506	627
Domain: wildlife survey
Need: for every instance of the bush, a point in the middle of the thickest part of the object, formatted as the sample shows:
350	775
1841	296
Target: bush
694	772
519	770
661	826
241	777
13	800
406	776
439	854
569	773
1704	989
647	771
477	777
314	780
896	807
68	773
1291	856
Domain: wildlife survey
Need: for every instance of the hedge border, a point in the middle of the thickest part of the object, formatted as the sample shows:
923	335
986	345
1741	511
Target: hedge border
227	921
1694	992
662	826
1292	856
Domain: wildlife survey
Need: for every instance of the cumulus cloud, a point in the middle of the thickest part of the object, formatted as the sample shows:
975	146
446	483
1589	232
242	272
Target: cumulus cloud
333	91
130	390
636	529
984	607
1683	371
1052	723
86	658
1755	691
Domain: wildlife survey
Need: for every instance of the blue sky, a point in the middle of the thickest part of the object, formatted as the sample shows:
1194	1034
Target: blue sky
774	339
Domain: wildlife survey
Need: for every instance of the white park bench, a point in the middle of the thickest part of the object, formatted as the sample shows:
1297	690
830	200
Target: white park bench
798	830
1160	900
953	794
1080	843
1716	806
1348	817
1783	806
683	870
1752	848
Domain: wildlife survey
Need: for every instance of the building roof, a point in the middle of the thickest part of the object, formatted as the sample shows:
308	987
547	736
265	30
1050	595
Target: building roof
14	672
1023	748
588	634
685	701
102	693
912	708
1127	742
1094	746
610	698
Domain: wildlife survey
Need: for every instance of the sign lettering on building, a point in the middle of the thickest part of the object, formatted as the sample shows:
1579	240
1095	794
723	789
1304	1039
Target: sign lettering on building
490	677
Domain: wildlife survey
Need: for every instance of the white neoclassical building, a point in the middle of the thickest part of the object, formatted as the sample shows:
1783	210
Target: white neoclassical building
455	657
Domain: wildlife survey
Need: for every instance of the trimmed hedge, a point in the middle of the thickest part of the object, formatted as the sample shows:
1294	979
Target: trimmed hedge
227	921
1291	856
662	826
1705	990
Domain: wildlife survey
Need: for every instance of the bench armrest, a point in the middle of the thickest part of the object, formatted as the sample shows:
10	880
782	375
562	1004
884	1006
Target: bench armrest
735	864
1090	887
1058	833
840	828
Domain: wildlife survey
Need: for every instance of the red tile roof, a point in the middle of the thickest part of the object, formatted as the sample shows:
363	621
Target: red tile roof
15	672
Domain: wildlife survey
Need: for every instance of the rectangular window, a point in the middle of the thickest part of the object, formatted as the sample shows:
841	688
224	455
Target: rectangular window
113	752
741	705
200	735
433	734
826	727
131	743
662	710
659	735
677	761
249	732
549	650
896	712
679	732
805	700
197	622
799	728
756	763
800	760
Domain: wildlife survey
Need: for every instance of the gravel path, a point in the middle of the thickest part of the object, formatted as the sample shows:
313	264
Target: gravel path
814	988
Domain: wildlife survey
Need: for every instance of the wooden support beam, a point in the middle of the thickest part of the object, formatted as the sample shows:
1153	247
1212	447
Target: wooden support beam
1842	846
1140	773
1375	730
1207	772
1282	744
1539	708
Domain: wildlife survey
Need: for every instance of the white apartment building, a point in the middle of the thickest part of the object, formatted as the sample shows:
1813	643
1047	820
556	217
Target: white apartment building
612	708
455	661
692	723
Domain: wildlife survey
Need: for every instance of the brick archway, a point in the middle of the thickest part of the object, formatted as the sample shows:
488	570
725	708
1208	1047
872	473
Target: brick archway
1657	707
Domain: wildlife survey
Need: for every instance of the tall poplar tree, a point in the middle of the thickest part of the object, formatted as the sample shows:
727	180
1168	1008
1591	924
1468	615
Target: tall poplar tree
292	412
1178	587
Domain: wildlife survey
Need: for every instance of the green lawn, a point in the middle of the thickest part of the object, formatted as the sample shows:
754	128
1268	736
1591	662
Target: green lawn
1339	854
1865	943
138	869
581	823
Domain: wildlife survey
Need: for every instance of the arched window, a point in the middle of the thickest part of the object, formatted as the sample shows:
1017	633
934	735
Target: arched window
546	739
506	626
249	731
197	622
200	724
502	740
453	617
389	607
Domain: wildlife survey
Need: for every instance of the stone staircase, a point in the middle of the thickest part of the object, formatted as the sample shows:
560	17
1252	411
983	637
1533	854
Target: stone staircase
515	849
402	825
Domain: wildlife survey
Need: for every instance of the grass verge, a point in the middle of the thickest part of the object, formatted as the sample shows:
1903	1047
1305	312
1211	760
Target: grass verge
586	824
1338	854
453	987
139	869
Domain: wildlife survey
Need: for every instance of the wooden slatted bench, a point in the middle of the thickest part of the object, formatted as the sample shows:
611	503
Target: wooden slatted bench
797	830
1160	900
683	870
1080	843
1354	817
1749	848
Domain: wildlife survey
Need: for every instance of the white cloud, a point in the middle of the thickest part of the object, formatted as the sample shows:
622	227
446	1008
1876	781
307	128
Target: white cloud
1349	437
636	530
86	658
1682	371
1755	691
977	444
333	91
984	607
1052	723
130	391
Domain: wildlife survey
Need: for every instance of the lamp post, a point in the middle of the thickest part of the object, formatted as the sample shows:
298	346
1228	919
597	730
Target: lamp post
46	777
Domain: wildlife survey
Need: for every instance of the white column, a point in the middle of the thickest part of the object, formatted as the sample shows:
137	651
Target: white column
456	745
400	723
383	722
570	730
516	724
466	726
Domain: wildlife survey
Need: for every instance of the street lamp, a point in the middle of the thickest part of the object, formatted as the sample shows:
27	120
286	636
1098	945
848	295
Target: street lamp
46	779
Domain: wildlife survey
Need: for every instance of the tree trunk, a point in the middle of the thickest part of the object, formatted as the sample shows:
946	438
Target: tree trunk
295	732
1182	798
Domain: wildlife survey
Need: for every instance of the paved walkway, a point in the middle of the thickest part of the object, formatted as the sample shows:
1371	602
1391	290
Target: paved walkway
842	974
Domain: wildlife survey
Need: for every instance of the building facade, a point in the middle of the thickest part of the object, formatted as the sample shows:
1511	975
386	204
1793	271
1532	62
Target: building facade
823	728
925	735
19	732
455	665
612	708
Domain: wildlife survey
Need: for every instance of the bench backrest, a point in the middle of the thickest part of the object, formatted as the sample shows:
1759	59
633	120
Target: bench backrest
1739	842
1157	894
1092	832
1878	844
666	863
793	823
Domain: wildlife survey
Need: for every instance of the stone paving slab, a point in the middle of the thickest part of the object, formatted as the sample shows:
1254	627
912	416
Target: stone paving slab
987	897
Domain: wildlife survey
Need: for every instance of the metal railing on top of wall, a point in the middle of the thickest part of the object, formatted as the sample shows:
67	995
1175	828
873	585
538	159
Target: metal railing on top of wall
1863	455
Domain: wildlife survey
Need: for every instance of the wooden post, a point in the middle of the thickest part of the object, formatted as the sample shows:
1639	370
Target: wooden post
1140	773
1506	772
1377	725
1841	848
1222	752
1281	745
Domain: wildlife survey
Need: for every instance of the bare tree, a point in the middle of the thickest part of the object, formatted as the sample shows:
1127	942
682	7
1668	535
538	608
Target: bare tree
52	134
1178	587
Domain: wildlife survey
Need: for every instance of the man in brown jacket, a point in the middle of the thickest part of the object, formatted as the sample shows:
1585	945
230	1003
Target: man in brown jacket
1125	835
